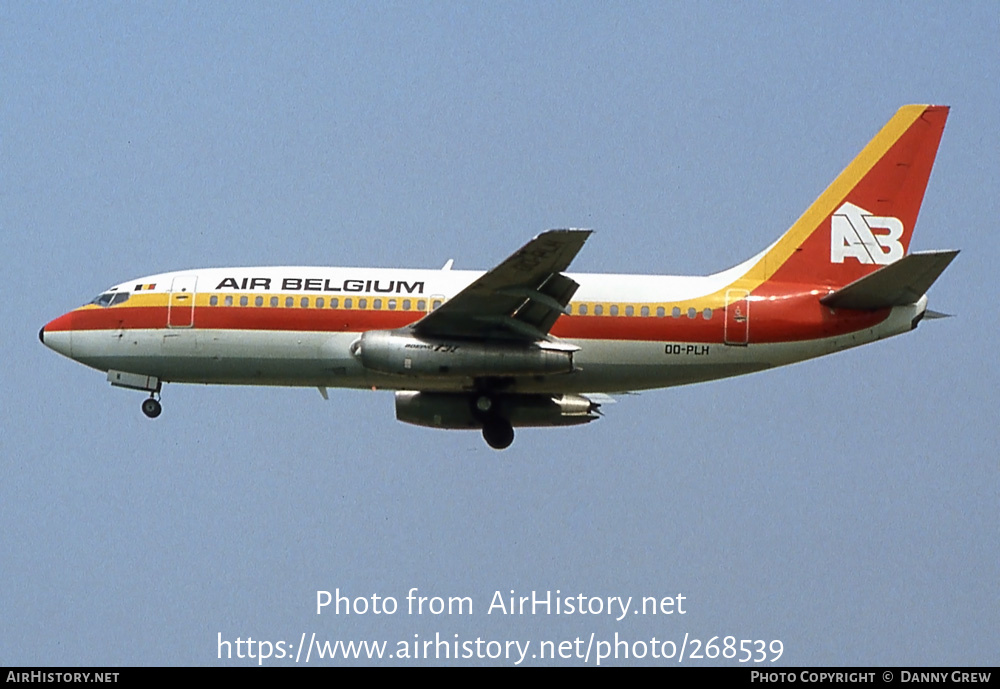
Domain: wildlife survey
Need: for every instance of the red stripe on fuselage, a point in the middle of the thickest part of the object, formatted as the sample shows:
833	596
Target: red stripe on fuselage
782	316
774	316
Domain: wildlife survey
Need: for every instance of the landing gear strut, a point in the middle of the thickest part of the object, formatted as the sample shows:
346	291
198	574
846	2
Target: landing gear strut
497	431
151	407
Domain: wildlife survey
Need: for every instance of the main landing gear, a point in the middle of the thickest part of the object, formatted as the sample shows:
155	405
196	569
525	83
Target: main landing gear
497	431
151	407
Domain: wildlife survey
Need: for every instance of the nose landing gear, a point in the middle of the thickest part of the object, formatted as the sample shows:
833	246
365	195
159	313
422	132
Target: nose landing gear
151	407
136	381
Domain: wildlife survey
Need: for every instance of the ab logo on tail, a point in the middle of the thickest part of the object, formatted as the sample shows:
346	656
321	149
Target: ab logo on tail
851	236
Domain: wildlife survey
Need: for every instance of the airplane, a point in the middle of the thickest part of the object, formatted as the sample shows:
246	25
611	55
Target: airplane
527	343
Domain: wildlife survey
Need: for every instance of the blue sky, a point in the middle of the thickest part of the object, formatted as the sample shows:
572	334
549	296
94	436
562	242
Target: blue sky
846	506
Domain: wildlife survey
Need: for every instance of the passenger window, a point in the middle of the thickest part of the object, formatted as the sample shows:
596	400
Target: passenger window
392	304
348	303
406	305
629	310
362	303
582	310
304	302
274	301
707	314
614	309
213	300
676	312
644	311
660	312
377	303
598	309
229	300
436	304
692	312
421	305
289	302
258	300
320	302
244	301
334	303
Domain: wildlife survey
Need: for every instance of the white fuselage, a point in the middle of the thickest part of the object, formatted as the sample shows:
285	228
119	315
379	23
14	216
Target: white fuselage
296	326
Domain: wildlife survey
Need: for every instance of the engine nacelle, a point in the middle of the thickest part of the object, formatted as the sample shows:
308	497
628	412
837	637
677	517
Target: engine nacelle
402	353
459	410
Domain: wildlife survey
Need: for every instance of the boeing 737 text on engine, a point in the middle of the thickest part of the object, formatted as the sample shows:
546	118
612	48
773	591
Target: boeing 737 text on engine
526	343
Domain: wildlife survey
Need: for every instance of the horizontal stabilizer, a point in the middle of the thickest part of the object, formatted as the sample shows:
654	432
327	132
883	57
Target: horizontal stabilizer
896	284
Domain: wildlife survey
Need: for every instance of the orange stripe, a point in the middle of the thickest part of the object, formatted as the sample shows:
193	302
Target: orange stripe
790	318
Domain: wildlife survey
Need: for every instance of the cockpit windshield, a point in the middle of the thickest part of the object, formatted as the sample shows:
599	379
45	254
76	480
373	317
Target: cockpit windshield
110	298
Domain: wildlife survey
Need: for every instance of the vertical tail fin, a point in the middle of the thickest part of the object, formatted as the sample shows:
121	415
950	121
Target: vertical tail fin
865	218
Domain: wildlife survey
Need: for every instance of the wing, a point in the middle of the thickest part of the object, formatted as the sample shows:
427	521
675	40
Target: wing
520	299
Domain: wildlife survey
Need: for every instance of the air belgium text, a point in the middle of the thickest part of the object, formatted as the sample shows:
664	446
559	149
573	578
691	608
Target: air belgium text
325	285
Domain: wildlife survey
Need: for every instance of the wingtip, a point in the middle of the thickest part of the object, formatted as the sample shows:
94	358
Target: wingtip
569	230
581	234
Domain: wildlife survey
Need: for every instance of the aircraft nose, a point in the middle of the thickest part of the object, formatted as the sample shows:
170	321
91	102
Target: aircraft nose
58	334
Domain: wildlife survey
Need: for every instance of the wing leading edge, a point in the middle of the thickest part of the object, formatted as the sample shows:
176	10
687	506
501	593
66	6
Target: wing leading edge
518	300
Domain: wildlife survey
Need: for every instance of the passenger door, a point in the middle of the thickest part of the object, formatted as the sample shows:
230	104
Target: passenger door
180	306
737	317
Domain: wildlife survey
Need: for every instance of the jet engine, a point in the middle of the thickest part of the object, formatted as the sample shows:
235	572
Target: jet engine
473	410
402	353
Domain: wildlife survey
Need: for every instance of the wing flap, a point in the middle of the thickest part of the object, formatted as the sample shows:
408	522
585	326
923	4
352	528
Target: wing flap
896	284
520	299
544	305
